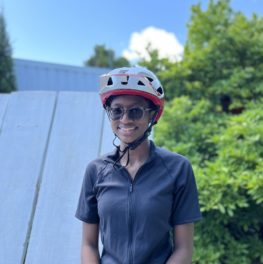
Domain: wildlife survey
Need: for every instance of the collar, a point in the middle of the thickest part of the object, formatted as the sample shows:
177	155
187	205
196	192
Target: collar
114	155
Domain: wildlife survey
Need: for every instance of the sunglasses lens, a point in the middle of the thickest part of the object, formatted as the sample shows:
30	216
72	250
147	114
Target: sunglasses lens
116	113
135	113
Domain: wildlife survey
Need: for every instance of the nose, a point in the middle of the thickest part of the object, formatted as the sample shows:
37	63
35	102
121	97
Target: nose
125	117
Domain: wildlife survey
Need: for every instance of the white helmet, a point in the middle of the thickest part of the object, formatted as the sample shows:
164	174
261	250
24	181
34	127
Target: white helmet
132	81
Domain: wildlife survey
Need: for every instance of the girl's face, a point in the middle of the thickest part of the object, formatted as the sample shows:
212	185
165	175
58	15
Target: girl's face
126	127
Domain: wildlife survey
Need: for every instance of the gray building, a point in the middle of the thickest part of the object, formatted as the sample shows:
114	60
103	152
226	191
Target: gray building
35	75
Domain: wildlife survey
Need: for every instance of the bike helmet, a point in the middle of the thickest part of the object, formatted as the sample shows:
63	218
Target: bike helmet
132	81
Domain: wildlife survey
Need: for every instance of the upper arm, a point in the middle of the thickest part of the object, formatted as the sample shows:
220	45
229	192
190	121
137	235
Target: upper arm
87	209
185	200
90	234
183	237
183	244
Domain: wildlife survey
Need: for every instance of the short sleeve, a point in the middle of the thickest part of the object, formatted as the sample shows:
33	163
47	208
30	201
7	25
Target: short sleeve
185	204
87	210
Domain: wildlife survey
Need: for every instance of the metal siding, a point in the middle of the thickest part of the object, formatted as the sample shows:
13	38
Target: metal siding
22	146
32	75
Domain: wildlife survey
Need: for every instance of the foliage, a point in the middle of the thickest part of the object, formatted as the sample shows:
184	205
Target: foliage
231	192
214	116
223	56
104	57
155	64
227	154
182	129
7	80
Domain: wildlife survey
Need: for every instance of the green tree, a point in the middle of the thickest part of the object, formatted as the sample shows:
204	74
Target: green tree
7	79
104	57
227	154
223	56
231	194
214	116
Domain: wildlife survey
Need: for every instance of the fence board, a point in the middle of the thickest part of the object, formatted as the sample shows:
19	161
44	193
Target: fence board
74	141
22	146
3	105
107	137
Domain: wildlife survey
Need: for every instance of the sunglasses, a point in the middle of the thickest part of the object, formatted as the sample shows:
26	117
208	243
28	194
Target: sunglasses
133	113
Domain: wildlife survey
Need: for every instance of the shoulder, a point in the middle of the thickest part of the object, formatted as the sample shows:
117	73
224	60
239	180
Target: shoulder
96	166
171	158
178	167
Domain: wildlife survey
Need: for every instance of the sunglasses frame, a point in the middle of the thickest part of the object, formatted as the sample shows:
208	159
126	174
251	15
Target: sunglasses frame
127	110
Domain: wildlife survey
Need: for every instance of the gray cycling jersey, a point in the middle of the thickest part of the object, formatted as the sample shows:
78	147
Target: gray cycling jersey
136	216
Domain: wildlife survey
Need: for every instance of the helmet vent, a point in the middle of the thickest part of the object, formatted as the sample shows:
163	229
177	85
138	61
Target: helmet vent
160	90
110	82
150	79
125	83
141	83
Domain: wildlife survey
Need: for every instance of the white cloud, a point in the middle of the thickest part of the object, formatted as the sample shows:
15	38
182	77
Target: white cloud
165	42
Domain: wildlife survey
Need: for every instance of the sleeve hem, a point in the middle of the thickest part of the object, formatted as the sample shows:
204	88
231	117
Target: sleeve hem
187	221
87	220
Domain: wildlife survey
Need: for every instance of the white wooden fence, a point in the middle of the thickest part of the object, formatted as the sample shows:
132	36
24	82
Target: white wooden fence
46	141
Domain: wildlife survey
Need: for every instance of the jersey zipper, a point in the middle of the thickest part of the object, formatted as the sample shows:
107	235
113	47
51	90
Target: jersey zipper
131	213
130	223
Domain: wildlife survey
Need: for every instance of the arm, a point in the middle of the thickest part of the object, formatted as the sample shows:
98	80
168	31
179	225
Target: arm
183	244
89	246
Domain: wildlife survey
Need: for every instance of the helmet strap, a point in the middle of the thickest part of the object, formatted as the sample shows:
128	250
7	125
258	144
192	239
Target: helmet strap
123	152
133	145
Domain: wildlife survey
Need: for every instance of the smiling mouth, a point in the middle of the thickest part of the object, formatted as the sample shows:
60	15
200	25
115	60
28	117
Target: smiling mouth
127	129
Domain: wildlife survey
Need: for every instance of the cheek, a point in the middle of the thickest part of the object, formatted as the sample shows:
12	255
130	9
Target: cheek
113	126
143	124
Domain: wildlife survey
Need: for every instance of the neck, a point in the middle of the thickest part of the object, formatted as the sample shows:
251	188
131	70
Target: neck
138	155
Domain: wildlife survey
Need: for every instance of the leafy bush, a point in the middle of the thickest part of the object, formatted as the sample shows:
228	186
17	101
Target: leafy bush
229	173
231	192
187	127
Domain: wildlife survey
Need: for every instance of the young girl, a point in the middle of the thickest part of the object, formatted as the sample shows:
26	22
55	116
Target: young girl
139	193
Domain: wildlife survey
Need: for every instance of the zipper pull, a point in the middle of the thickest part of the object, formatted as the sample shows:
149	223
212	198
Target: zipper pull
131	187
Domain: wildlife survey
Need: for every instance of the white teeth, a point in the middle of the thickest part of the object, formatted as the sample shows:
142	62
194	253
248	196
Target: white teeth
127	128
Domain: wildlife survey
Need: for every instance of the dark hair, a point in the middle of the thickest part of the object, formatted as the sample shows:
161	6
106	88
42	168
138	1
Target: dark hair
109	100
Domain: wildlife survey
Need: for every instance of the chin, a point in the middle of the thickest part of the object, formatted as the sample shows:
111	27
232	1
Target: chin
126	140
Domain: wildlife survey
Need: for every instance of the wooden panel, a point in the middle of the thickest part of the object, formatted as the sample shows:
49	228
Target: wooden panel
22	147
107	137
56	233
3	105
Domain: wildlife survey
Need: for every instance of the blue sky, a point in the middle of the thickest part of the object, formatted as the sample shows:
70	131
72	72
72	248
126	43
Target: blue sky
66	31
